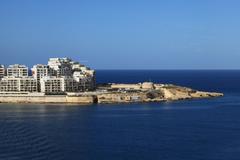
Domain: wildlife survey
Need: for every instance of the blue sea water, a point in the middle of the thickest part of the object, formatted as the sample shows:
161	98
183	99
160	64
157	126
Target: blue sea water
206	129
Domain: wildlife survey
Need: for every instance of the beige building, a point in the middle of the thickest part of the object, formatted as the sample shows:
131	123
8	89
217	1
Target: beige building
127	86
17	84
2	71
17	70
139	86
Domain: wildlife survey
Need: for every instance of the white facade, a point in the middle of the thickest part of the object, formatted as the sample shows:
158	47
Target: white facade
76	66
52	85
86	82
40	71
61	66
17	70
85	76
71	85
61	75
2	71
17	84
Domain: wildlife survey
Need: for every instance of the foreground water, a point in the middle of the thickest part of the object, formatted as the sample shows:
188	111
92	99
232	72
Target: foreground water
184	130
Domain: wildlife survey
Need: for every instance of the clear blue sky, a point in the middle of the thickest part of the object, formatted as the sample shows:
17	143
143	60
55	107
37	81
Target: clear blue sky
123	34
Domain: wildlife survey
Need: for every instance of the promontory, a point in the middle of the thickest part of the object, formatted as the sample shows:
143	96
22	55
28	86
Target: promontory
63	80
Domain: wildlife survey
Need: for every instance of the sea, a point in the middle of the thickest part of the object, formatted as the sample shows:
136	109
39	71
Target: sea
200	129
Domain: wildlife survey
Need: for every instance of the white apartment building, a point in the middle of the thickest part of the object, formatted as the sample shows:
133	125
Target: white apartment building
61	66
71	85
18	84
85	76
17	70
2	71
59	76
85	81
39	71
54	85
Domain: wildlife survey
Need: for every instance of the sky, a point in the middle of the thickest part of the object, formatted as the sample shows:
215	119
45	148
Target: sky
122	34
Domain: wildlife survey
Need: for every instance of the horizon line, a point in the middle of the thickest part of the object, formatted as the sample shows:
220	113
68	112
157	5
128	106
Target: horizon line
198	69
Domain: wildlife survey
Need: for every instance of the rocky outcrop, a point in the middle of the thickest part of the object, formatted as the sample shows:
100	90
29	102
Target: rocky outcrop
150	93
177	93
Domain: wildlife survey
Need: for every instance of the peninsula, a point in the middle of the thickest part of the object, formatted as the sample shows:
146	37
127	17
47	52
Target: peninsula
63	80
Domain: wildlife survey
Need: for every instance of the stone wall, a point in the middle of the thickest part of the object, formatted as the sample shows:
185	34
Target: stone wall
120	97
47	99
78	99
126	86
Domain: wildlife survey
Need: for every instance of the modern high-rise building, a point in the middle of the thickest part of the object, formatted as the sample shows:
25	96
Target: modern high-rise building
85	76
18	84
17	70
61	66
39	71
61	75
86	81
52	85
55	85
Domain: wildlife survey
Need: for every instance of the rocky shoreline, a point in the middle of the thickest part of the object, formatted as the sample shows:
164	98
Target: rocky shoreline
148	92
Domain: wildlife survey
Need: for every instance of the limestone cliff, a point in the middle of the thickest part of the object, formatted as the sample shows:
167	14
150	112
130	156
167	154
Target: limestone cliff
149	92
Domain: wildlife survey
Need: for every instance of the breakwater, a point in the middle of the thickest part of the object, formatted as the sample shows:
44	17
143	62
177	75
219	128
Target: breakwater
30	98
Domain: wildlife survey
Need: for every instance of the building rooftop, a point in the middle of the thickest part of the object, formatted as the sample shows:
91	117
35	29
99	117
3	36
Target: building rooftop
65	59
40	66
17	66
14	77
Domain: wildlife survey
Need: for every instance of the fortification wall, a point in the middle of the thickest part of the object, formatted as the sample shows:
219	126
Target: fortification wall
46	99
126	86
78	99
